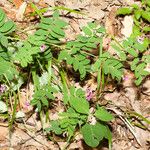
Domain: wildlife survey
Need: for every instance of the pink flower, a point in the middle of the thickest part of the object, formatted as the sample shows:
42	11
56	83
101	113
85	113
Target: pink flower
3	88
27	104
42	48
140	39
125	78
89	94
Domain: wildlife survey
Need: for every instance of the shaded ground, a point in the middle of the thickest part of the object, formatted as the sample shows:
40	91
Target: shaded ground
122	99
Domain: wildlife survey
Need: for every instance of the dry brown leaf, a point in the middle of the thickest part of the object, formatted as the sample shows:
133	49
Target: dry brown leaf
75	26
3	133
127	26
21	11
95	12
110	22
17	3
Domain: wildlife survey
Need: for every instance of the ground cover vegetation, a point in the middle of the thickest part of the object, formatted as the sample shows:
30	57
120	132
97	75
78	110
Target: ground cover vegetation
45	59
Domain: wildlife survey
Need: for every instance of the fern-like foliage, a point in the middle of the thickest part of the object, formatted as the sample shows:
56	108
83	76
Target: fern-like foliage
50	32
42	96
25	54
7	69
132	48
6	27
43	92
76	52
109	65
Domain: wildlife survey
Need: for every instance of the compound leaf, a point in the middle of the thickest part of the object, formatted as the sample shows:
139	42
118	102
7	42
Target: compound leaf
81	105
103	114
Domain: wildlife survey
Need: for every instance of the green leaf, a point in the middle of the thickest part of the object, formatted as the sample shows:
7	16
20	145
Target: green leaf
103	114
93	134
139	69
132	52
146	15
137	14
41	32
80	105
146	58
134	63
82	39
120	52
34	102
76	65
4	40
57	30
44	101
60	23
101	30
55	35
69	60
138	81
113	67
63	55
2	17
96	65
55	127
7	27
148	3
124	11
135	6
146	29
7	69
87	31
136	31
47	20
91	45
56	14
39	106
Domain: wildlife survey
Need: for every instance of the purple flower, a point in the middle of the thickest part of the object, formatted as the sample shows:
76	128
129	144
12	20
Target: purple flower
3	88
27	104
89	94
42	48
125	78
140	39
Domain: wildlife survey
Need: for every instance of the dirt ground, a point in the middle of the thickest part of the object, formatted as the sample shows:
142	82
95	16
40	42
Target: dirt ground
27	134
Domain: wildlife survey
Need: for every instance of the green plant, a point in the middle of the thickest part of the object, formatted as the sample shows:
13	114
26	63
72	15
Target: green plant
75	53
133	49
92	125
141	17
44	53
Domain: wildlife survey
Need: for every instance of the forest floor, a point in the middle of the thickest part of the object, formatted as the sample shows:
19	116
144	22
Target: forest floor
118	98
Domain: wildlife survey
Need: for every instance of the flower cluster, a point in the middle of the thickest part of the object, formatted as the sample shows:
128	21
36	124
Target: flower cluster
3	88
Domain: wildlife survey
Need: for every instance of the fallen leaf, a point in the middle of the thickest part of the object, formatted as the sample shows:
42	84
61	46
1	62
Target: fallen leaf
21	11
127	26
110	22
17	3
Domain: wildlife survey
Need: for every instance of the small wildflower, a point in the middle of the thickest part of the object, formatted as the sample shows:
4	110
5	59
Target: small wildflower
140	39
42	48
89	94
3	88
27	104
125	78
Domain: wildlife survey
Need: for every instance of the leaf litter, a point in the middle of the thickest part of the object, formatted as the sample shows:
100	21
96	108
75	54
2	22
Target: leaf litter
120	100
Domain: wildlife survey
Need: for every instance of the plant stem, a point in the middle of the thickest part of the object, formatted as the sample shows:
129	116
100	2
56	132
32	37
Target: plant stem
134	114
99	76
